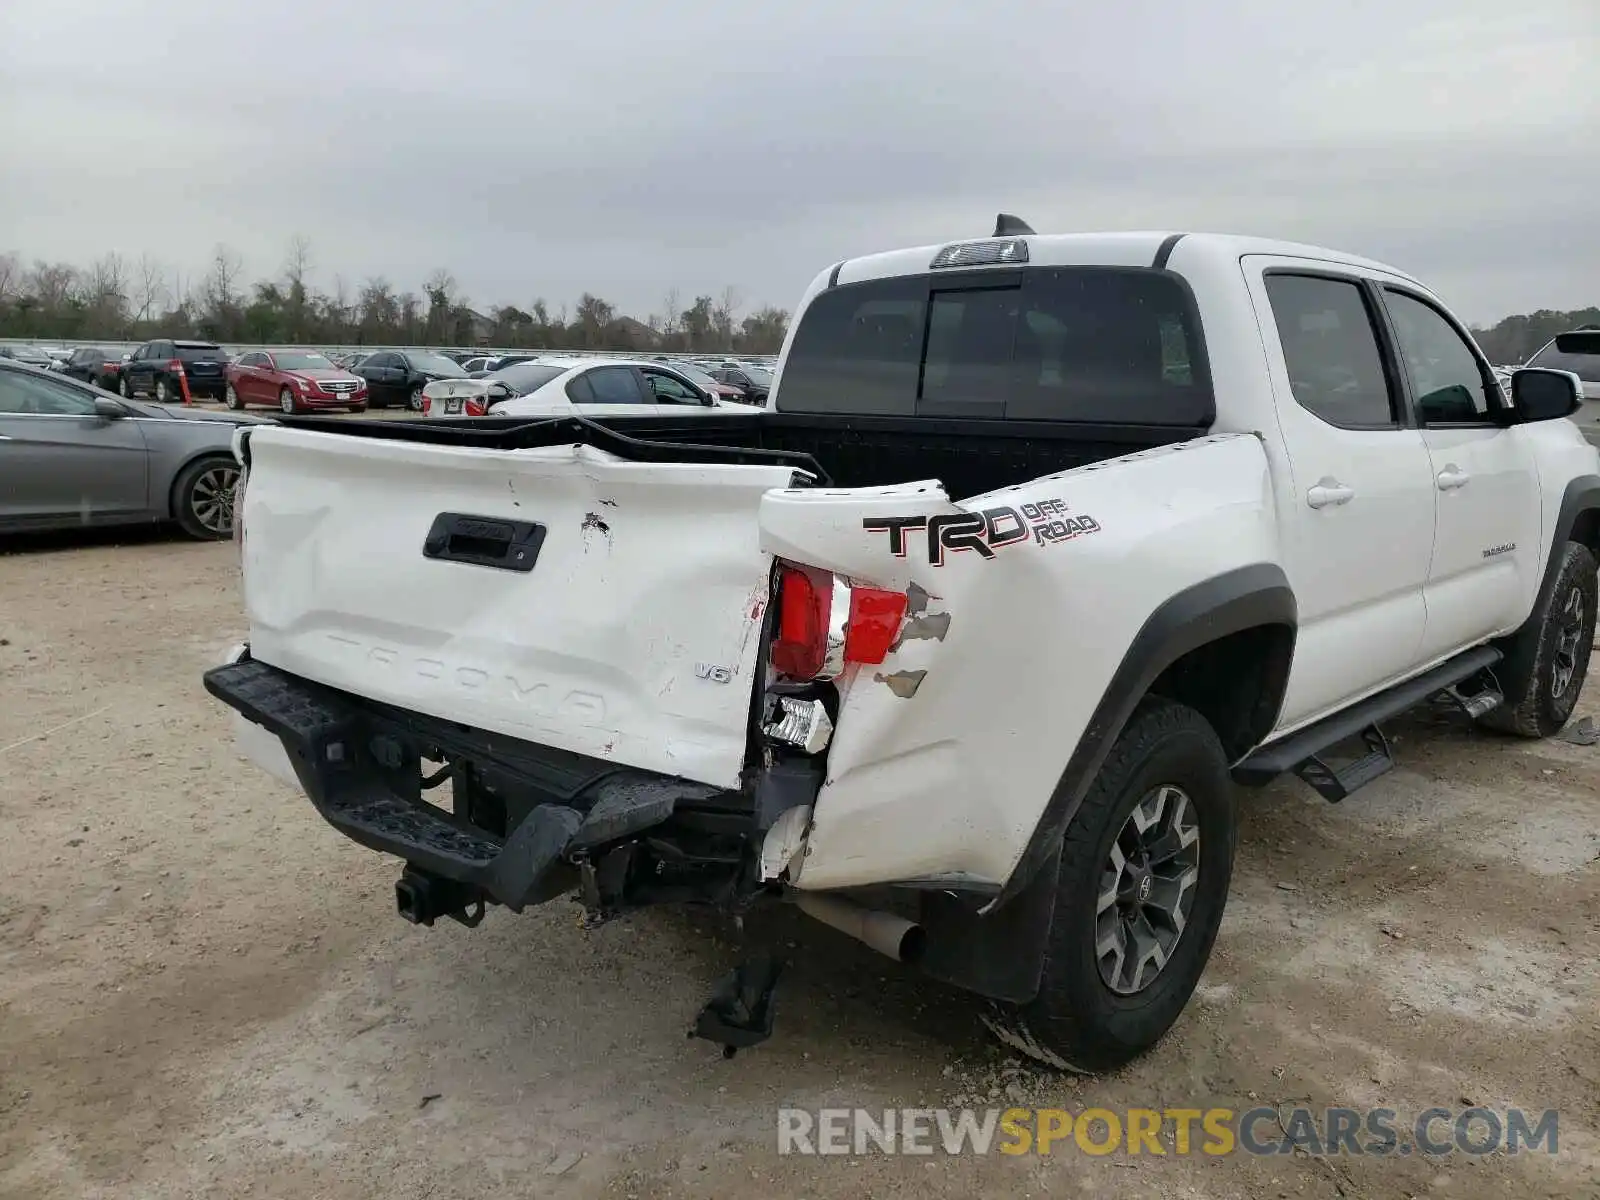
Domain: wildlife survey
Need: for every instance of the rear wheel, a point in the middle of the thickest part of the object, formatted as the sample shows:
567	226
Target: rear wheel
286	401
1145	866
123	389
202	498
162	392
231	398
1561	659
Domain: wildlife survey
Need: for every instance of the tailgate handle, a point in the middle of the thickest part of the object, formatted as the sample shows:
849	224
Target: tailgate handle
484	541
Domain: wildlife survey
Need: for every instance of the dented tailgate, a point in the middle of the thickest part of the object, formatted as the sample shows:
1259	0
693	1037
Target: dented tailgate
381	568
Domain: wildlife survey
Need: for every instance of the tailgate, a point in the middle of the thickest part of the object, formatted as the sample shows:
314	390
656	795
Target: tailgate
632	636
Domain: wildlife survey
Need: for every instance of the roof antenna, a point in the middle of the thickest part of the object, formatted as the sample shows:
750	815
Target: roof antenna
1005	225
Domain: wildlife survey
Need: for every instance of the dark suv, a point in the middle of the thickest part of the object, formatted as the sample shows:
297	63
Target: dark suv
155	366
90	364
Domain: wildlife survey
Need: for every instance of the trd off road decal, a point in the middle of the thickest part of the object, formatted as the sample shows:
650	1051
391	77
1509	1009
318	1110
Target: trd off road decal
1044	522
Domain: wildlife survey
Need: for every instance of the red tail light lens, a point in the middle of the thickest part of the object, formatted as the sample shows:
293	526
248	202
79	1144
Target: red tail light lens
476	408
805	599
875	617
824	623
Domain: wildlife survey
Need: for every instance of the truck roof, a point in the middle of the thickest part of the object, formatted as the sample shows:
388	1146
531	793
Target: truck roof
1132	249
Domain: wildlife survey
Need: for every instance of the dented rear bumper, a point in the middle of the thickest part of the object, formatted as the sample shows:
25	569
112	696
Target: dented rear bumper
547	819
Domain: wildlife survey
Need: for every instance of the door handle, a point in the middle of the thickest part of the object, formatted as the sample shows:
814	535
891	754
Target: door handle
1452	477
1328	492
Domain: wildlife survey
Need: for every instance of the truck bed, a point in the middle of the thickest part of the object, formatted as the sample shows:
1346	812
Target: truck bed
969	456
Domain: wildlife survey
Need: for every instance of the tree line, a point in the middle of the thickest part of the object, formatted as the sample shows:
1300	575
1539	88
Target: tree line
129	300
1516	339
119	299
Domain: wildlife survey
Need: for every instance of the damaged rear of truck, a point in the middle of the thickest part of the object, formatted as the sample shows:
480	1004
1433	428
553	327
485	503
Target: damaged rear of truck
962	683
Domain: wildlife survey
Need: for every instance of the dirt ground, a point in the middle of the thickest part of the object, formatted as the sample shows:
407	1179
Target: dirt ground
204	990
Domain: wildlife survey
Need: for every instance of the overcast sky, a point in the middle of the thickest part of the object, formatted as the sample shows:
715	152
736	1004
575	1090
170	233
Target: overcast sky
627	147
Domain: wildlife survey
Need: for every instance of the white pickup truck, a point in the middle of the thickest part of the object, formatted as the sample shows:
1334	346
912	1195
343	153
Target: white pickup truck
1041	545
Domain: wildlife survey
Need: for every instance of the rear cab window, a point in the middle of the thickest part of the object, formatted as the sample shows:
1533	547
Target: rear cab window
199	352
1097	345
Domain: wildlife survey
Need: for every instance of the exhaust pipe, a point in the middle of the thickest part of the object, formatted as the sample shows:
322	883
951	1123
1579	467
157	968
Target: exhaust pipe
900	939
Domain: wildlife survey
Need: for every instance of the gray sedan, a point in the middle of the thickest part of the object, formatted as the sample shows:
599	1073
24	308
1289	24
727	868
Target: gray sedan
71	456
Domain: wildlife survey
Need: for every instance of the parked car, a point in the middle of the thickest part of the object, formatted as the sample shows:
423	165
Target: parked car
72	456
153	369
587	386
31	355
398	376
90	364
754	382
1043	545
292	381
707	381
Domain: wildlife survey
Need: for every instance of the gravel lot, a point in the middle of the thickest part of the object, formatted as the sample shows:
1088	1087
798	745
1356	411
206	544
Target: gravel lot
204	990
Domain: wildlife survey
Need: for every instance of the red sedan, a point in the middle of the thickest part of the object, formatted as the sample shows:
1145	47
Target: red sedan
294	381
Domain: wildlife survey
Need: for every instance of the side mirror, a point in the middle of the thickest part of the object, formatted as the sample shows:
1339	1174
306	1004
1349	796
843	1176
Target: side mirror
108	409
501	390
1540	394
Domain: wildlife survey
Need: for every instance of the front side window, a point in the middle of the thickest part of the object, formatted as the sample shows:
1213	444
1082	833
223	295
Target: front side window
1447	380
671	389
1330	348
32	396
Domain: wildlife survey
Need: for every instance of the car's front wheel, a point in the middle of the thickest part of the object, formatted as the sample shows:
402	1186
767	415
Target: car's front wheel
1144	873
414	400
1546	699
202	498
286	402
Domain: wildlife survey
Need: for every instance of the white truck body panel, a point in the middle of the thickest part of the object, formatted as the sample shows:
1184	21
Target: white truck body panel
946	753
647	572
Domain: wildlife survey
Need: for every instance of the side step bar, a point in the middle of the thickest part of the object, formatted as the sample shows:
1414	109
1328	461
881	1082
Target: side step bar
1301	751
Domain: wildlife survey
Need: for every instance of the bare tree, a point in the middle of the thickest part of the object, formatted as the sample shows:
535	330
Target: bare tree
10	277
296	266
149	289
297	261
723	315
221	285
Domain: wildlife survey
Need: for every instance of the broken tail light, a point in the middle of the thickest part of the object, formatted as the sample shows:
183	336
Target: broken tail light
825	623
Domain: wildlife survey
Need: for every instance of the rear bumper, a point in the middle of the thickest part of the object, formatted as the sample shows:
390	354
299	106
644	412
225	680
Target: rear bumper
360	764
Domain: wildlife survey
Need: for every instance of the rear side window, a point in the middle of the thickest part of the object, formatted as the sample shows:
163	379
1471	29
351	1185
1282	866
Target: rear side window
1073	344
1331	350
606	385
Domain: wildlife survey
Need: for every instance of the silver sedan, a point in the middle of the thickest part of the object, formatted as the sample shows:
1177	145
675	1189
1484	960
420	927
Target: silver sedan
72	456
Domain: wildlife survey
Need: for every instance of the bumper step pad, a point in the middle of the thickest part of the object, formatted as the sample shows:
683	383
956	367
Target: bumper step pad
328	735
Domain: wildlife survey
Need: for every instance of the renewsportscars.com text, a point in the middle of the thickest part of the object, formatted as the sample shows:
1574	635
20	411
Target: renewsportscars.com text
1162	1131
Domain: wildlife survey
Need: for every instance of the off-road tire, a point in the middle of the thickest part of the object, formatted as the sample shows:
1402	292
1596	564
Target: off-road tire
1539	709
1077	1022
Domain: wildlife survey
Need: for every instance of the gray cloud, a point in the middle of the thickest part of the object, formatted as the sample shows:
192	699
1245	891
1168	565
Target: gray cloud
629	147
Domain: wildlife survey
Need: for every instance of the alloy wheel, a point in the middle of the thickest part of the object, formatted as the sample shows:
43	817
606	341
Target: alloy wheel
211	499
1147	887
1569	642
